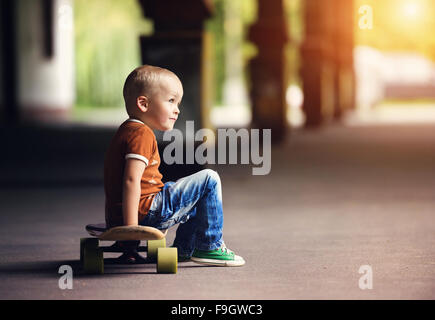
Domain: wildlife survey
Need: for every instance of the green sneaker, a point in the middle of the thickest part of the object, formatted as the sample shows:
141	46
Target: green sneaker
223	257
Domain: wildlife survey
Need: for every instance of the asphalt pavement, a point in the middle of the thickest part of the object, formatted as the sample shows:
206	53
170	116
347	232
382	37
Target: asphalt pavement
338	200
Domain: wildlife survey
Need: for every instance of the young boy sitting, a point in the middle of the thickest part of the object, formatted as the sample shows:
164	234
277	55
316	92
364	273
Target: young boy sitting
133	187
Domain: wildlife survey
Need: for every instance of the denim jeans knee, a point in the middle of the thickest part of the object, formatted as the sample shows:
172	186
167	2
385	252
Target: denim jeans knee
194	202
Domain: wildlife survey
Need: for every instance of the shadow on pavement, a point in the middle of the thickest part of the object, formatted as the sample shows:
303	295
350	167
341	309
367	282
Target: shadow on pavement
51	268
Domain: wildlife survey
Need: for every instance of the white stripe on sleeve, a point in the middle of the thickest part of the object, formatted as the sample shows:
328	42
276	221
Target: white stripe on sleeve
136	156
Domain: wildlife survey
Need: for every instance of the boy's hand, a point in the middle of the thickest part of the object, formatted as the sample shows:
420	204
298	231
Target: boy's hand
131	190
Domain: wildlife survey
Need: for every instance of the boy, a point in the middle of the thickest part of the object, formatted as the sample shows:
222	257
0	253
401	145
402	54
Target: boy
134	191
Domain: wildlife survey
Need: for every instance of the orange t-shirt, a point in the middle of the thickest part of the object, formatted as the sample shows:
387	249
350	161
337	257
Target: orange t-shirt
136	140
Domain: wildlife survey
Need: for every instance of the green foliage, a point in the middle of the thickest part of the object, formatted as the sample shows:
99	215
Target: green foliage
295	28
295	25
107	48
215	26
107	44
249	17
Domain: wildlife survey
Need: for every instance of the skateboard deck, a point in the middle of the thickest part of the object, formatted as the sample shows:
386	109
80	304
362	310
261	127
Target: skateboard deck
125	233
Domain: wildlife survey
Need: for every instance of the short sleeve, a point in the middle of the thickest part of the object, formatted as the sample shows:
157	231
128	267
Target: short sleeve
140	146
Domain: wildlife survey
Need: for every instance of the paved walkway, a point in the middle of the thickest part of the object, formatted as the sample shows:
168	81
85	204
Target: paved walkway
336	199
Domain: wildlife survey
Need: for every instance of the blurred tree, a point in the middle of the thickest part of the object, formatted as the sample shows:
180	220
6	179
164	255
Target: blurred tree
107	45
295	29
107	48
216	25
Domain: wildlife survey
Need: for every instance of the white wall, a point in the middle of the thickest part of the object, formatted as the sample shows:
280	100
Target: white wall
391	74
45	83
370	86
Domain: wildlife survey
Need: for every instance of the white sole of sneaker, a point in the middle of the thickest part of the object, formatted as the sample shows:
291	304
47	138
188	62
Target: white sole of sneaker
237	262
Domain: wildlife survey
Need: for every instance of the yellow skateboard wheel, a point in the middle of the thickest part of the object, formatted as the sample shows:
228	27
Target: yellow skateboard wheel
153	245
167	260
87	243
93	262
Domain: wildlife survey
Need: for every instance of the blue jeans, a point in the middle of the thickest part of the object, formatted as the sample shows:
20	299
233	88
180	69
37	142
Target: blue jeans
195	202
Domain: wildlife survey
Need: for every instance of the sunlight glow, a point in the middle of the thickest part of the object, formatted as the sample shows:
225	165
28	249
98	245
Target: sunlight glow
412	9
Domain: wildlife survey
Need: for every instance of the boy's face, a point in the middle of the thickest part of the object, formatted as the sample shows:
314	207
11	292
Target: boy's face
163	104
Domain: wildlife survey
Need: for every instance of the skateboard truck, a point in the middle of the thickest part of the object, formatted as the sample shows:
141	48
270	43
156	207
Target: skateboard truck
130	254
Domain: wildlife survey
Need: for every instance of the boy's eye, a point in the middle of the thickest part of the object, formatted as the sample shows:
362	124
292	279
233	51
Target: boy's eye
171	100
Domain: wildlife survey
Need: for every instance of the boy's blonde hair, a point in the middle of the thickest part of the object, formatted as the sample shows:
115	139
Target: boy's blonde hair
142	81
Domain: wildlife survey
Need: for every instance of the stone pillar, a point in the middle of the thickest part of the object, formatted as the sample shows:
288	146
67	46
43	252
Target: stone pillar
9	114
45	59
267	69
180	44
344	62
341	37
317	71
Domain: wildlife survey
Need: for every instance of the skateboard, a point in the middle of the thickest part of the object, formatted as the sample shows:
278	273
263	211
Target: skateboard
127	242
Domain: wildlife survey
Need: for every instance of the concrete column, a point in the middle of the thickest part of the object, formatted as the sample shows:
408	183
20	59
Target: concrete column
9	114
317	71
347	58
343	41
267	69
45	47
180	44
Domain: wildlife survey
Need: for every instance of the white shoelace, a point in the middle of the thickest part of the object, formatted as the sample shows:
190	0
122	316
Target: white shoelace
223	247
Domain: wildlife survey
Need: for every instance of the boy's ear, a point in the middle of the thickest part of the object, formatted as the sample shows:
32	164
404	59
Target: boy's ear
142	103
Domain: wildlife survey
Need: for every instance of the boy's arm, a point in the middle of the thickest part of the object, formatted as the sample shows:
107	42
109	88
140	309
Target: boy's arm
131	190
